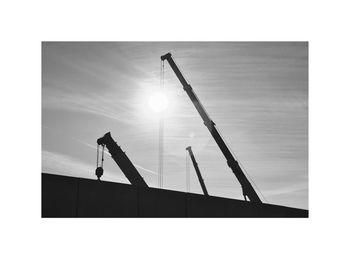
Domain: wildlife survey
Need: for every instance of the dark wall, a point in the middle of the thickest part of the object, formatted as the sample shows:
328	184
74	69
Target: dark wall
64	196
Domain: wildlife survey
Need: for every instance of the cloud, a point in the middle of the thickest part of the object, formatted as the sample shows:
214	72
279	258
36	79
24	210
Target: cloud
56	163
106	152
104	105
256	93
285	190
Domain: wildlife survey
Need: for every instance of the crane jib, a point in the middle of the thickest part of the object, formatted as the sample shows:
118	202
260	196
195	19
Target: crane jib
195	165
247	188
122	160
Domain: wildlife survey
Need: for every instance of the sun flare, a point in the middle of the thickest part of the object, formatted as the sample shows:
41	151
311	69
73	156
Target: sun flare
158	102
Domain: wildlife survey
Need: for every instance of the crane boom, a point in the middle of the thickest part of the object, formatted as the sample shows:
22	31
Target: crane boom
122	160
247	188
195	164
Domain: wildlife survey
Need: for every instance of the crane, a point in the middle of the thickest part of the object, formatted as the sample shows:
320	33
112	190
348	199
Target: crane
247	188
121	159
195	164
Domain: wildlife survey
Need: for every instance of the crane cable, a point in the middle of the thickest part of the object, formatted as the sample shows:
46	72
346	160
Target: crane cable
99	169
103	155
161	127
188	180
244	170
98	149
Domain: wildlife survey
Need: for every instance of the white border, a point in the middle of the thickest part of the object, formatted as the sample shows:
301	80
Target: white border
26	23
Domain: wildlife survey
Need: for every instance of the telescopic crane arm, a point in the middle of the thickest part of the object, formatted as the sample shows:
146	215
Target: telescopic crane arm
122	160
200	179
247	188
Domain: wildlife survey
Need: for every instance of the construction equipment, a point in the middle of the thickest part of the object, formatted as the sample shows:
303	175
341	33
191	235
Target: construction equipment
247	188
200	179
121	159
99	168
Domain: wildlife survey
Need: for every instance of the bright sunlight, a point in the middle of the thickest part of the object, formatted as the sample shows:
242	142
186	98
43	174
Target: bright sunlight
158	102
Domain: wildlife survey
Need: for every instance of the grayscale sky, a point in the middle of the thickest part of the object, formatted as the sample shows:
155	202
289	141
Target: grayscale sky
256	93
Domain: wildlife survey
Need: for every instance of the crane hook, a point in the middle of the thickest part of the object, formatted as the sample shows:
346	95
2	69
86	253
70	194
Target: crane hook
99	169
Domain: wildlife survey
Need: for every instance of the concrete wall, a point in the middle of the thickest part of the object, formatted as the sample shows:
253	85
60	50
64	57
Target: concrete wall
64	196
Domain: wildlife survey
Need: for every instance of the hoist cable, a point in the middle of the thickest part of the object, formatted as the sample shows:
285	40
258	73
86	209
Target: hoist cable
188	183
98	147
160	139
243	169
162	129
103	154
251	179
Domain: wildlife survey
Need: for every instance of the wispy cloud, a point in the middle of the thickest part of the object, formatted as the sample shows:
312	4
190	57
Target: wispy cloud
286	189
99	105
57	163
256	93
106	152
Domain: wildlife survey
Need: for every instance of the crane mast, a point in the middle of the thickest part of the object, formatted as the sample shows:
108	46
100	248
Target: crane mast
122	160
247	188
198	172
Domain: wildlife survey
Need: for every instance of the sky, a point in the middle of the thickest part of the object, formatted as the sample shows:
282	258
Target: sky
255	92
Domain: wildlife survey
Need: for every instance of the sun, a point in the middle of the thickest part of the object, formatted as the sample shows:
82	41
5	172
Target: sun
158	102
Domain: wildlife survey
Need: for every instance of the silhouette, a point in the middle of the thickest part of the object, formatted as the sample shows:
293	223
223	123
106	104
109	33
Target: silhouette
247	188
200	179
89	198
122	161
64	196
99	172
